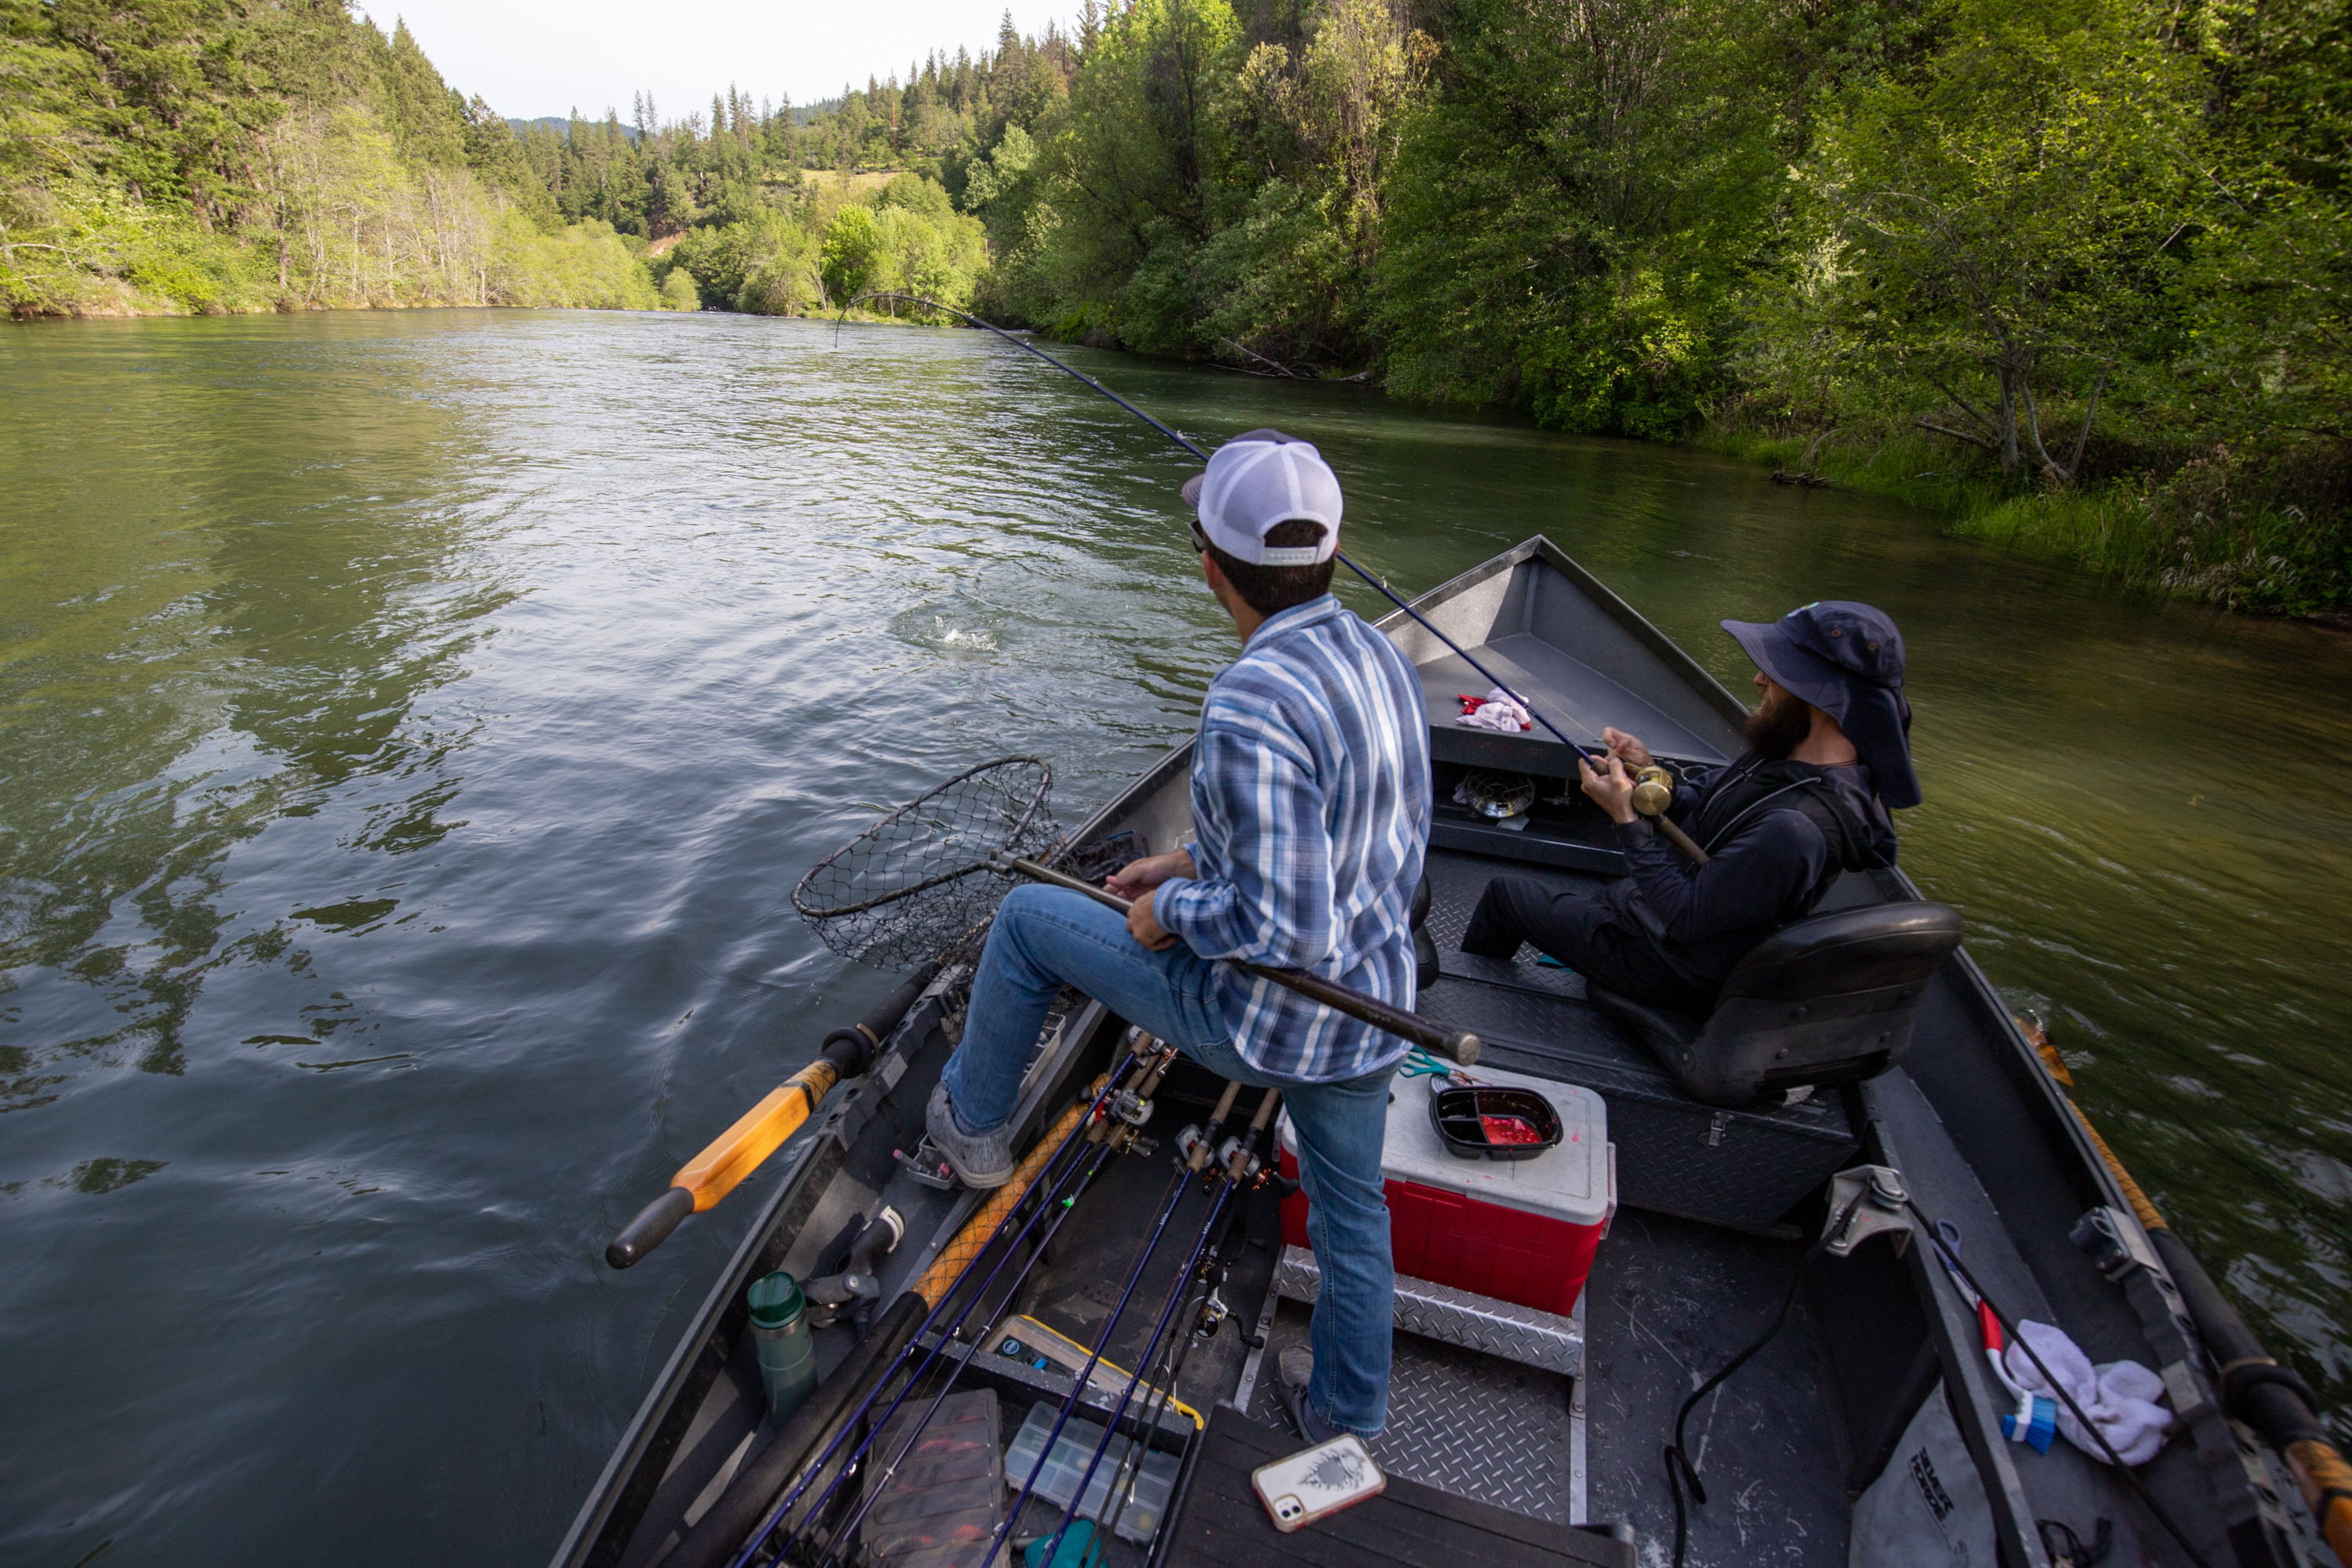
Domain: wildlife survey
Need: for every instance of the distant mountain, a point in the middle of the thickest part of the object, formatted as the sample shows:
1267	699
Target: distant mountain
559	125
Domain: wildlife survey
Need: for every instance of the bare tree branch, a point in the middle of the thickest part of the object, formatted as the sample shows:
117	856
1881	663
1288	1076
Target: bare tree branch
1931	427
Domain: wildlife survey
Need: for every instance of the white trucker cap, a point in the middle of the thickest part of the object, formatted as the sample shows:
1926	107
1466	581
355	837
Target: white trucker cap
1260	479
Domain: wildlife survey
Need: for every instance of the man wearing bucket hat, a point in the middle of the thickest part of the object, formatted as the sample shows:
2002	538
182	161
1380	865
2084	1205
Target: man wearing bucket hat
1311	804
1829	752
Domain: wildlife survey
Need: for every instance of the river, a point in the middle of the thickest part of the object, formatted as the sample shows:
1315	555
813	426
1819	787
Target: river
414	725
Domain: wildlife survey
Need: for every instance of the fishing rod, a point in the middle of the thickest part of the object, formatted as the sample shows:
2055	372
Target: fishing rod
824	1422
1601	758
1099	1155
1175	1199
1084	1125
1228	1182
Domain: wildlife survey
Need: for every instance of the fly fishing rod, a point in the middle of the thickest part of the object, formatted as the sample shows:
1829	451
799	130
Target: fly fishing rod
804	1447
1097	1155
1190	445
1228	1181
1174	1200
1457	1044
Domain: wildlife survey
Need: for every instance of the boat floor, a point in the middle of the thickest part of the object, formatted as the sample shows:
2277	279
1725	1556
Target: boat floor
1669	1300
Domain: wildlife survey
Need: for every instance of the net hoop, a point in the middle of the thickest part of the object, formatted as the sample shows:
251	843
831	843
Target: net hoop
937	842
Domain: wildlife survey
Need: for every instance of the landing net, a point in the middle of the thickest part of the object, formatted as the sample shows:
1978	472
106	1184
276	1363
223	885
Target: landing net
917	884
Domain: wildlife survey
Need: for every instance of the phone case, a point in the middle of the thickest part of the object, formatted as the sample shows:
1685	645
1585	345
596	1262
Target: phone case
1318	1483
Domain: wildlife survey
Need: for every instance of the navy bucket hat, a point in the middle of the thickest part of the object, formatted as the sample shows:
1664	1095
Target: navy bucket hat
1846	660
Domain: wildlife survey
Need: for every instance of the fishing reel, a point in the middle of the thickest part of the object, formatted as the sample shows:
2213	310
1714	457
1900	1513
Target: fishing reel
1497	797
1654	791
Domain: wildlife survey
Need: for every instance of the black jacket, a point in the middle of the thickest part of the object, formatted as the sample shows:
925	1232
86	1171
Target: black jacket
1777	834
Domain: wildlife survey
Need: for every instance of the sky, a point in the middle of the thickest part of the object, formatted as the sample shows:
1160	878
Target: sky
532	58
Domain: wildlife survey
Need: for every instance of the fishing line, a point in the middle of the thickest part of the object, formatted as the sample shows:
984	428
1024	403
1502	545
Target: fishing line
1063	1208
1176	1293
810	1472
1190	445
1951	1258
1169	1206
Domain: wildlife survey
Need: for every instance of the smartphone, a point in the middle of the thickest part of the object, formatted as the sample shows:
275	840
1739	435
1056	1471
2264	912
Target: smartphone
1318	1482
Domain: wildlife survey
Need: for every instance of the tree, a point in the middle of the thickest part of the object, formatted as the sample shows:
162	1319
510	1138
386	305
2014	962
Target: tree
1991	234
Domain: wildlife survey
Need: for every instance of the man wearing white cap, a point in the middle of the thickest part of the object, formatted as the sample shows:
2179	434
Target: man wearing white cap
1310	807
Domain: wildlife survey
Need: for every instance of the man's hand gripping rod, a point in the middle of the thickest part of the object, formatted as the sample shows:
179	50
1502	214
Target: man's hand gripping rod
1455	1045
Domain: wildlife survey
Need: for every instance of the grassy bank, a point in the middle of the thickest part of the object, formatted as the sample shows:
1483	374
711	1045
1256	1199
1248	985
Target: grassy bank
2209	530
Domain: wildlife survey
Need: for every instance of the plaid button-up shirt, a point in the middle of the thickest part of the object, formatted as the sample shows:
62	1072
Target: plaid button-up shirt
1311	804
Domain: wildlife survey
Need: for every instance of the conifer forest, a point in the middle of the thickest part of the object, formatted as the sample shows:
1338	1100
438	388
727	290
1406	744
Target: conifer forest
2076	274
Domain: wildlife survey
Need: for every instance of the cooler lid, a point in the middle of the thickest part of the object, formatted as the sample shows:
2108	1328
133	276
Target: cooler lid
1570	1183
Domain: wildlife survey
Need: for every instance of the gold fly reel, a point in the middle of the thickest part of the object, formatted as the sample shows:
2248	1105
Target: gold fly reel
1654	790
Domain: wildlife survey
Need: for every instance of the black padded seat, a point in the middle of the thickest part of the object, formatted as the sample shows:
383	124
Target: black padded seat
1828	1000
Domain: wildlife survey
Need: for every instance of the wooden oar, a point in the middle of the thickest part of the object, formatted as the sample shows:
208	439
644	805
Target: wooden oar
760	1132
2254	1388
1457	1044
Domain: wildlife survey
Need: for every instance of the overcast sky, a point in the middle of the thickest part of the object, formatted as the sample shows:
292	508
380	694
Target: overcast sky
531	58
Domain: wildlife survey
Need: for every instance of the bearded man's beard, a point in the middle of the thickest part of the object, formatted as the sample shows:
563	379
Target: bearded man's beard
1779	725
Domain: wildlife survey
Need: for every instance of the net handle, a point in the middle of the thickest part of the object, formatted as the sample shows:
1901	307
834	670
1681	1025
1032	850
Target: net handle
1035	801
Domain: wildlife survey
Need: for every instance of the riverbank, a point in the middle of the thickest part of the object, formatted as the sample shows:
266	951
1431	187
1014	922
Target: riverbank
2209	531
423	710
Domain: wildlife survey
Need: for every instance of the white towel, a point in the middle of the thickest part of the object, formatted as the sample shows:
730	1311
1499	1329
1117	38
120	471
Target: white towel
1498	712
2119	1396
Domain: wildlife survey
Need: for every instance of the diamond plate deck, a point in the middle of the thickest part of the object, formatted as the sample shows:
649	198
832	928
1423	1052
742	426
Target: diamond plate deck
1460	1421
1516	1333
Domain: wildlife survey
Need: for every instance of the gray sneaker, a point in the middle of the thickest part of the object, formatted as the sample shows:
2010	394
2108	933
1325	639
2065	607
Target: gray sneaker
1294	1368
980	1159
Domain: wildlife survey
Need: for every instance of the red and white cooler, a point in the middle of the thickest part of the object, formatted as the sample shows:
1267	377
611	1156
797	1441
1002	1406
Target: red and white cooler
1517	1230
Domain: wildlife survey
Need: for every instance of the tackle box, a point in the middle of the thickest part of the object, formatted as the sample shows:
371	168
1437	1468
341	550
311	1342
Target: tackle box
1145	1484
1517	1230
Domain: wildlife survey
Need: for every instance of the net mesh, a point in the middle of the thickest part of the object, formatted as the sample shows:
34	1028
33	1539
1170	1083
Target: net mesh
917	885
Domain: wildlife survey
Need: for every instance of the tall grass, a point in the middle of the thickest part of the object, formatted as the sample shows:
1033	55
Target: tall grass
2188	534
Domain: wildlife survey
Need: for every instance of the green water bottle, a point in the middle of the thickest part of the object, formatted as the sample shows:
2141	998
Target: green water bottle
779	1333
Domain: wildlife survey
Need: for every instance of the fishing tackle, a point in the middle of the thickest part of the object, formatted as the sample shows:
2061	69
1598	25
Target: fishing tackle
1193	447
802	1476
1654	791
1238	1167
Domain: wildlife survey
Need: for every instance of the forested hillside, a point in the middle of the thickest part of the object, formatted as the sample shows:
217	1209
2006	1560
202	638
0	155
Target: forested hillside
2078	272
208	156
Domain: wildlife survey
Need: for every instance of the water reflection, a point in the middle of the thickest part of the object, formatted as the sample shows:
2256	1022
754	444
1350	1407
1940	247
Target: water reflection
416	723
221	609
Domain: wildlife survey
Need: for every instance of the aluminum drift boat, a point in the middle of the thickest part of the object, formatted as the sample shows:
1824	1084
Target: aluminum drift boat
1967	1178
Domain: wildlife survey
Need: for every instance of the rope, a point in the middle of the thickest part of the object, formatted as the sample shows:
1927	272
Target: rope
2008	1330
1679	1470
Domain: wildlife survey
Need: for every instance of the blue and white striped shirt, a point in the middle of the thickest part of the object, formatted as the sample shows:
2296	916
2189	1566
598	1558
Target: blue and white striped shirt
1310	798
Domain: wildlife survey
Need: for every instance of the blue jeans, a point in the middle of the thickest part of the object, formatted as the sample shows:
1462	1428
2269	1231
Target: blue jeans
1046	937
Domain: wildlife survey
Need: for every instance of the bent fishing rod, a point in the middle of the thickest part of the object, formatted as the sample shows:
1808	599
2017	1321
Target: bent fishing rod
1186	443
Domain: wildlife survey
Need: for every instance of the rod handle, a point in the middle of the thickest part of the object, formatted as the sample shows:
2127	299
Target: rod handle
1457	1046
1681	841
650	1228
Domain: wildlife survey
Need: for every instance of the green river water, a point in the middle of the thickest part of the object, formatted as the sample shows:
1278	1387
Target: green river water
411	726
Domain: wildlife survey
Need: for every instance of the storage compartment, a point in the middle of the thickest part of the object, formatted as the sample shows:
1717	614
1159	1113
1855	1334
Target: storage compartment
1521	1231
1144	1485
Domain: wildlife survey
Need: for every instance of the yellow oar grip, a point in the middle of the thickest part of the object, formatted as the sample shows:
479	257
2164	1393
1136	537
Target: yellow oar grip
941	1277
737	1153
2327	1488
2149	1215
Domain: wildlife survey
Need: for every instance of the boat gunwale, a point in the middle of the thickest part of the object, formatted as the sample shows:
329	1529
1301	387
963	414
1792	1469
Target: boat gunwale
2048	1108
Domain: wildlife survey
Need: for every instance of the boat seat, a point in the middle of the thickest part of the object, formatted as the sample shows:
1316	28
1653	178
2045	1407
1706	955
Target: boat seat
1426	965
1828	1000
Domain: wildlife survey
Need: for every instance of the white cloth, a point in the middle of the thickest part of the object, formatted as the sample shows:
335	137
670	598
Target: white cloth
1498	712
2119	1396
